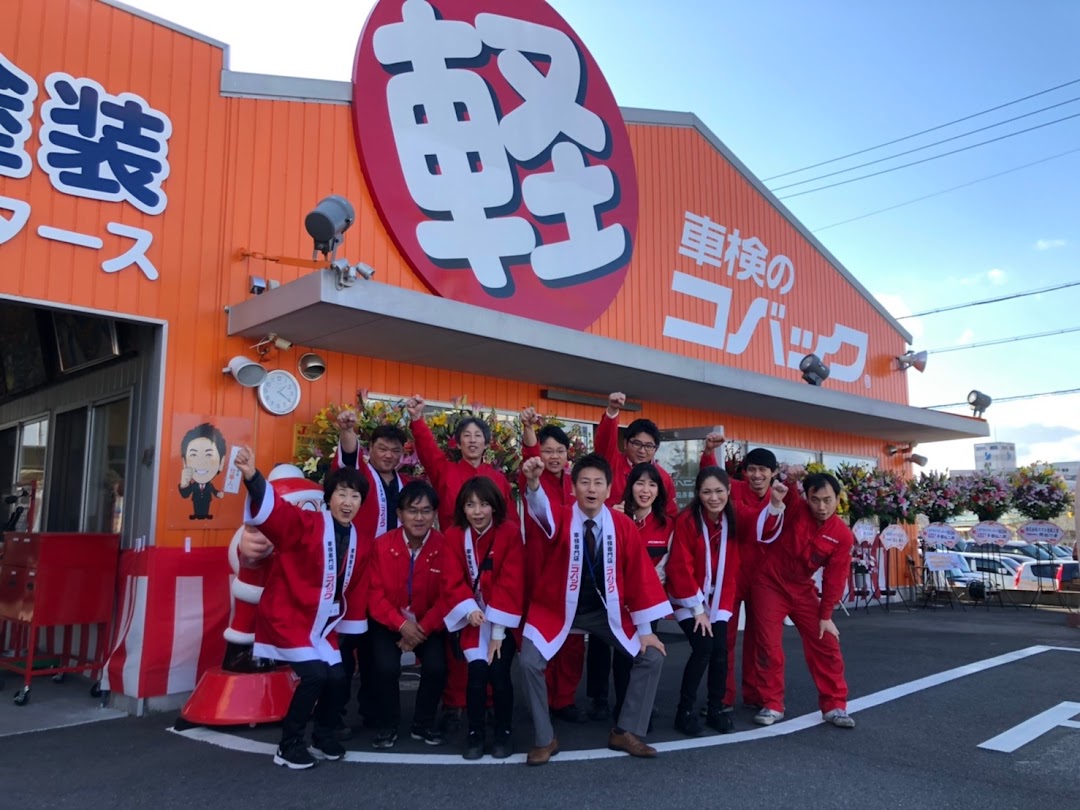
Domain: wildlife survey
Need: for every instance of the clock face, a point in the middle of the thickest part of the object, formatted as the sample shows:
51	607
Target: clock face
279	393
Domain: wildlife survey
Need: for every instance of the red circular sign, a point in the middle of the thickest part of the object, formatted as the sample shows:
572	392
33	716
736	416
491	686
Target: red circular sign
496	155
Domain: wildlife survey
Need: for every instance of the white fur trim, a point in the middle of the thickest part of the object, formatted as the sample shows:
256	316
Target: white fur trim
499	617
652	614
458	616
265	509
353	627
246	592
236	637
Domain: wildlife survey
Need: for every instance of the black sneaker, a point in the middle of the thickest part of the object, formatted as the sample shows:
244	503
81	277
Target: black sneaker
503	746
687	723
385	738
722	721
598	710
427	736
327	748
294	755
474	745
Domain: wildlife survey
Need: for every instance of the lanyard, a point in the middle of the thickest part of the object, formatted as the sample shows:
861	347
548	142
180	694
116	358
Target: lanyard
480	562
412	567
592	566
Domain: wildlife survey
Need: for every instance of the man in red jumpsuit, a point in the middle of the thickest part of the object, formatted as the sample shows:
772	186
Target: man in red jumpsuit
813	537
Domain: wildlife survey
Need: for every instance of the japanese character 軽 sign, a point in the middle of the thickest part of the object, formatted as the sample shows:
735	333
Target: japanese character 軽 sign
496	155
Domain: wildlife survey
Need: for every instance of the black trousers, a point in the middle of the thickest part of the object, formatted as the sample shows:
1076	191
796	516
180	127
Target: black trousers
323	691
357	658
705	653
603	663
387	667
502	690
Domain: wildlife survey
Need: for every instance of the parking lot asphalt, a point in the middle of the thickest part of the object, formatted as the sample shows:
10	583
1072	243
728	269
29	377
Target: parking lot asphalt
927	689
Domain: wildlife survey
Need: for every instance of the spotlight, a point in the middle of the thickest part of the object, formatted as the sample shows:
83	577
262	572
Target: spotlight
345	274
915	458
916	360
813	370
327	223
979	402
893	449
257	284
246	372
311	366
271	341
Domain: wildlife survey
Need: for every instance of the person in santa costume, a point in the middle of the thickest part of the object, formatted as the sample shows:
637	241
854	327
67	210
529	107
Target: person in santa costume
378	515
249	578
407	607
317	586
752	493
642	442
484	580
702	577
551	444
472	437
597	578
813	537
645	500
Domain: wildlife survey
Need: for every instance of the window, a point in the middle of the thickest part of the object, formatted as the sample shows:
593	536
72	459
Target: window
834	460
33	444
68	471
791	455
107	467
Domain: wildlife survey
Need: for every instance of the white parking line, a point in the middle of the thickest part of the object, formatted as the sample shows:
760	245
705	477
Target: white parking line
781	729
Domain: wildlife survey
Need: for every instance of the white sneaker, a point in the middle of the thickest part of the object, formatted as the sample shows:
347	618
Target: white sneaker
839	718
766	717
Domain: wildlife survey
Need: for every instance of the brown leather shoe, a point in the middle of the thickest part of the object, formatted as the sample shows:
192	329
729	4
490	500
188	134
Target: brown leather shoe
542	753
630	744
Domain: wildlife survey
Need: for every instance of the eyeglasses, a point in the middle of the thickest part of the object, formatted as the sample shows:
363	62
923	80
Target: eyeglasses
415	513
552	453
648	446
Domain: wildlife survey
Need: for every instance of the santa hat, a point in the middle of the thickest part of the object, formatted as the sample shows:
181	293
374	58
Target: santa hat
289	483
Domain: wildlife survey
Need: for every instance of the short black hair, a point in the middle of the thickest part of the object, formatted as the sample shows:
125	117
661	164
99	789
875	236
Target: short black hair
643	426
391	433
347	477
485	490
646	470
761	457
816	481
204	431
485	428
553	432
415	491
593	461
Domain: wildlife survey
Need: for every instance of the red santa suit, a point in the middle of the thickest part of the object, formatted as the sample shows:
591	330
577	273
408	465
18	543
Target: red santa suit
785	587
484	573
606	443
249	580
371	520
299	617
657	538
634	596
392	578
700	572
564	671
448	477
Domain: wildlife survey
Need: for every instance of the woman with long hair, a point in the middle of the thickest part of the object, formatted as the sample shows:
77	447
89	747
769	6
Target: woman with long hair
702	569
485	588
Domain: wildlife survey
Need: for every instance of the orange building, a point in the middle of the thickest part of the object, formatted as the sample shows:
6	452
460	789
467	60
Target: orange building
532	244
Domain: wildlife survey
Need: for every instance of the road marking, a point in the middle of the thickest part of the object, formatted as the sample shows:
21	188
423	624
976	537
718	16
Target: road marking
1031	730
782	729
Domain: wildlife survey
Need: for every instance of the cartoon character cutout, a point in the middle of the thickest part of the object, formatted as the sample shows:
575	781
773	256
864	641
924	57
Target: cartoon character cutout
203	450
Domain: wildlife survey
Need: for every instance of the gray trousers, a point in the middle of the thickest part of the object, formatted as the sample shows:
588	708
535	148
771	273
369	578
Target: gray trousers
644	678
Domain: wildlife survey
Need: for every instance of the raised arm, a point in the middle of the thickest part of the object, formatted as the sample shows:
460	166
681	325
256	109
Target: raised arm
433	459
606	440
281	521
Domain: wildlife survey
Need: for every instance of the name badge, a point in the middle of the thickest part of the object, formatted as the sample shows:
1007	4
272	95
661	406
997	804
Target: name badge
409	615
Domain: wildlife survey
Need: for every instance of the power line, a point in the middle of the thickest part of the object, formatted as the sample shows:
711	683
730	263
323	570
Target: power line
996	300
922	132
932	157
926	146
943	191
1016	398
1004	340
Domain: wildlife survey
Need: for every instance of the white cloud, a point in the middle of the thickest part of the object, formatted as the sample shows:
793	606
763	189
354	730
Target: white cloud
997	276
1049	244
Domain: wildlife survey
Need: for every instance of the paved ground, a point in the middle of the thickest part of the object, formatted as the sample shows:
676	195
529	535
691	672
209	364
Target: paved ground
983	672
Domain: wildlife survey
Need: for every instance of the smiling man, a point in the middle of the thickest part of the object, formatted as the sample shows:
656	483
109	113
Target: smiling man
597	577
203	450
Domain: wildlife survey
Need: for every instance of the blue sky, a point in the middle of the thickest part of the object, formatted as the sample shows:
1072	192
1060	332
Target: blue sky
786	83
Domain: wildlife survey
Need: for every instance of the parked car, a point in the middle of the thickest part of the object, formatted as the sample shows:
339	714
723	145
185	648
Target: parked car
1035	552
1016	573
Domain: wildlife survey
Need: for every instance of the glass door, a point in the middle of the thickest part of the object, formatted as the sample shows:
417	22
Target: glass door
33	444
107	469
68	471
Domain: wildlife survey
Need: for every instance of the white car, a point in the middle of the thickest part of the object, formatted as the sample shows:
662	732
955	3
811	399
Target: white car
1015	572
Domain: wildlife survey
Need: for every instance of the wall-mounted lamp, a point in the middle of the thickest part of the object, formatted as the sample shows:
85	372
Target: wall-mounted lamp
246	372
915	360
893	449
915	458
979	402
311	366
327	222
813	370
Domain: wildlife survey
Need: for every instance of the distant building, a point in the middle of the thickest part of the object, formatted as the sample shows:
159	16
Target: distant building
1068	469
997	456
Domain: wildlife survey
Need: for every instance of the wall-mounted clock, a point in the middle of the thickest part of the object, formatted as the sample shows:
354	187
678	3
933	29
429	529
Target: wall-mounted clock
279	393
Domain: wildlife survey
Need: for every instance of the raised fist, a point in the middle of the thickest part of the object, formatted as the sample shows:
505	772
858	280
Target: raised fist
245	462
185	476
346	421
713	441
529	417
616	400
532	468
779	490
415	406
